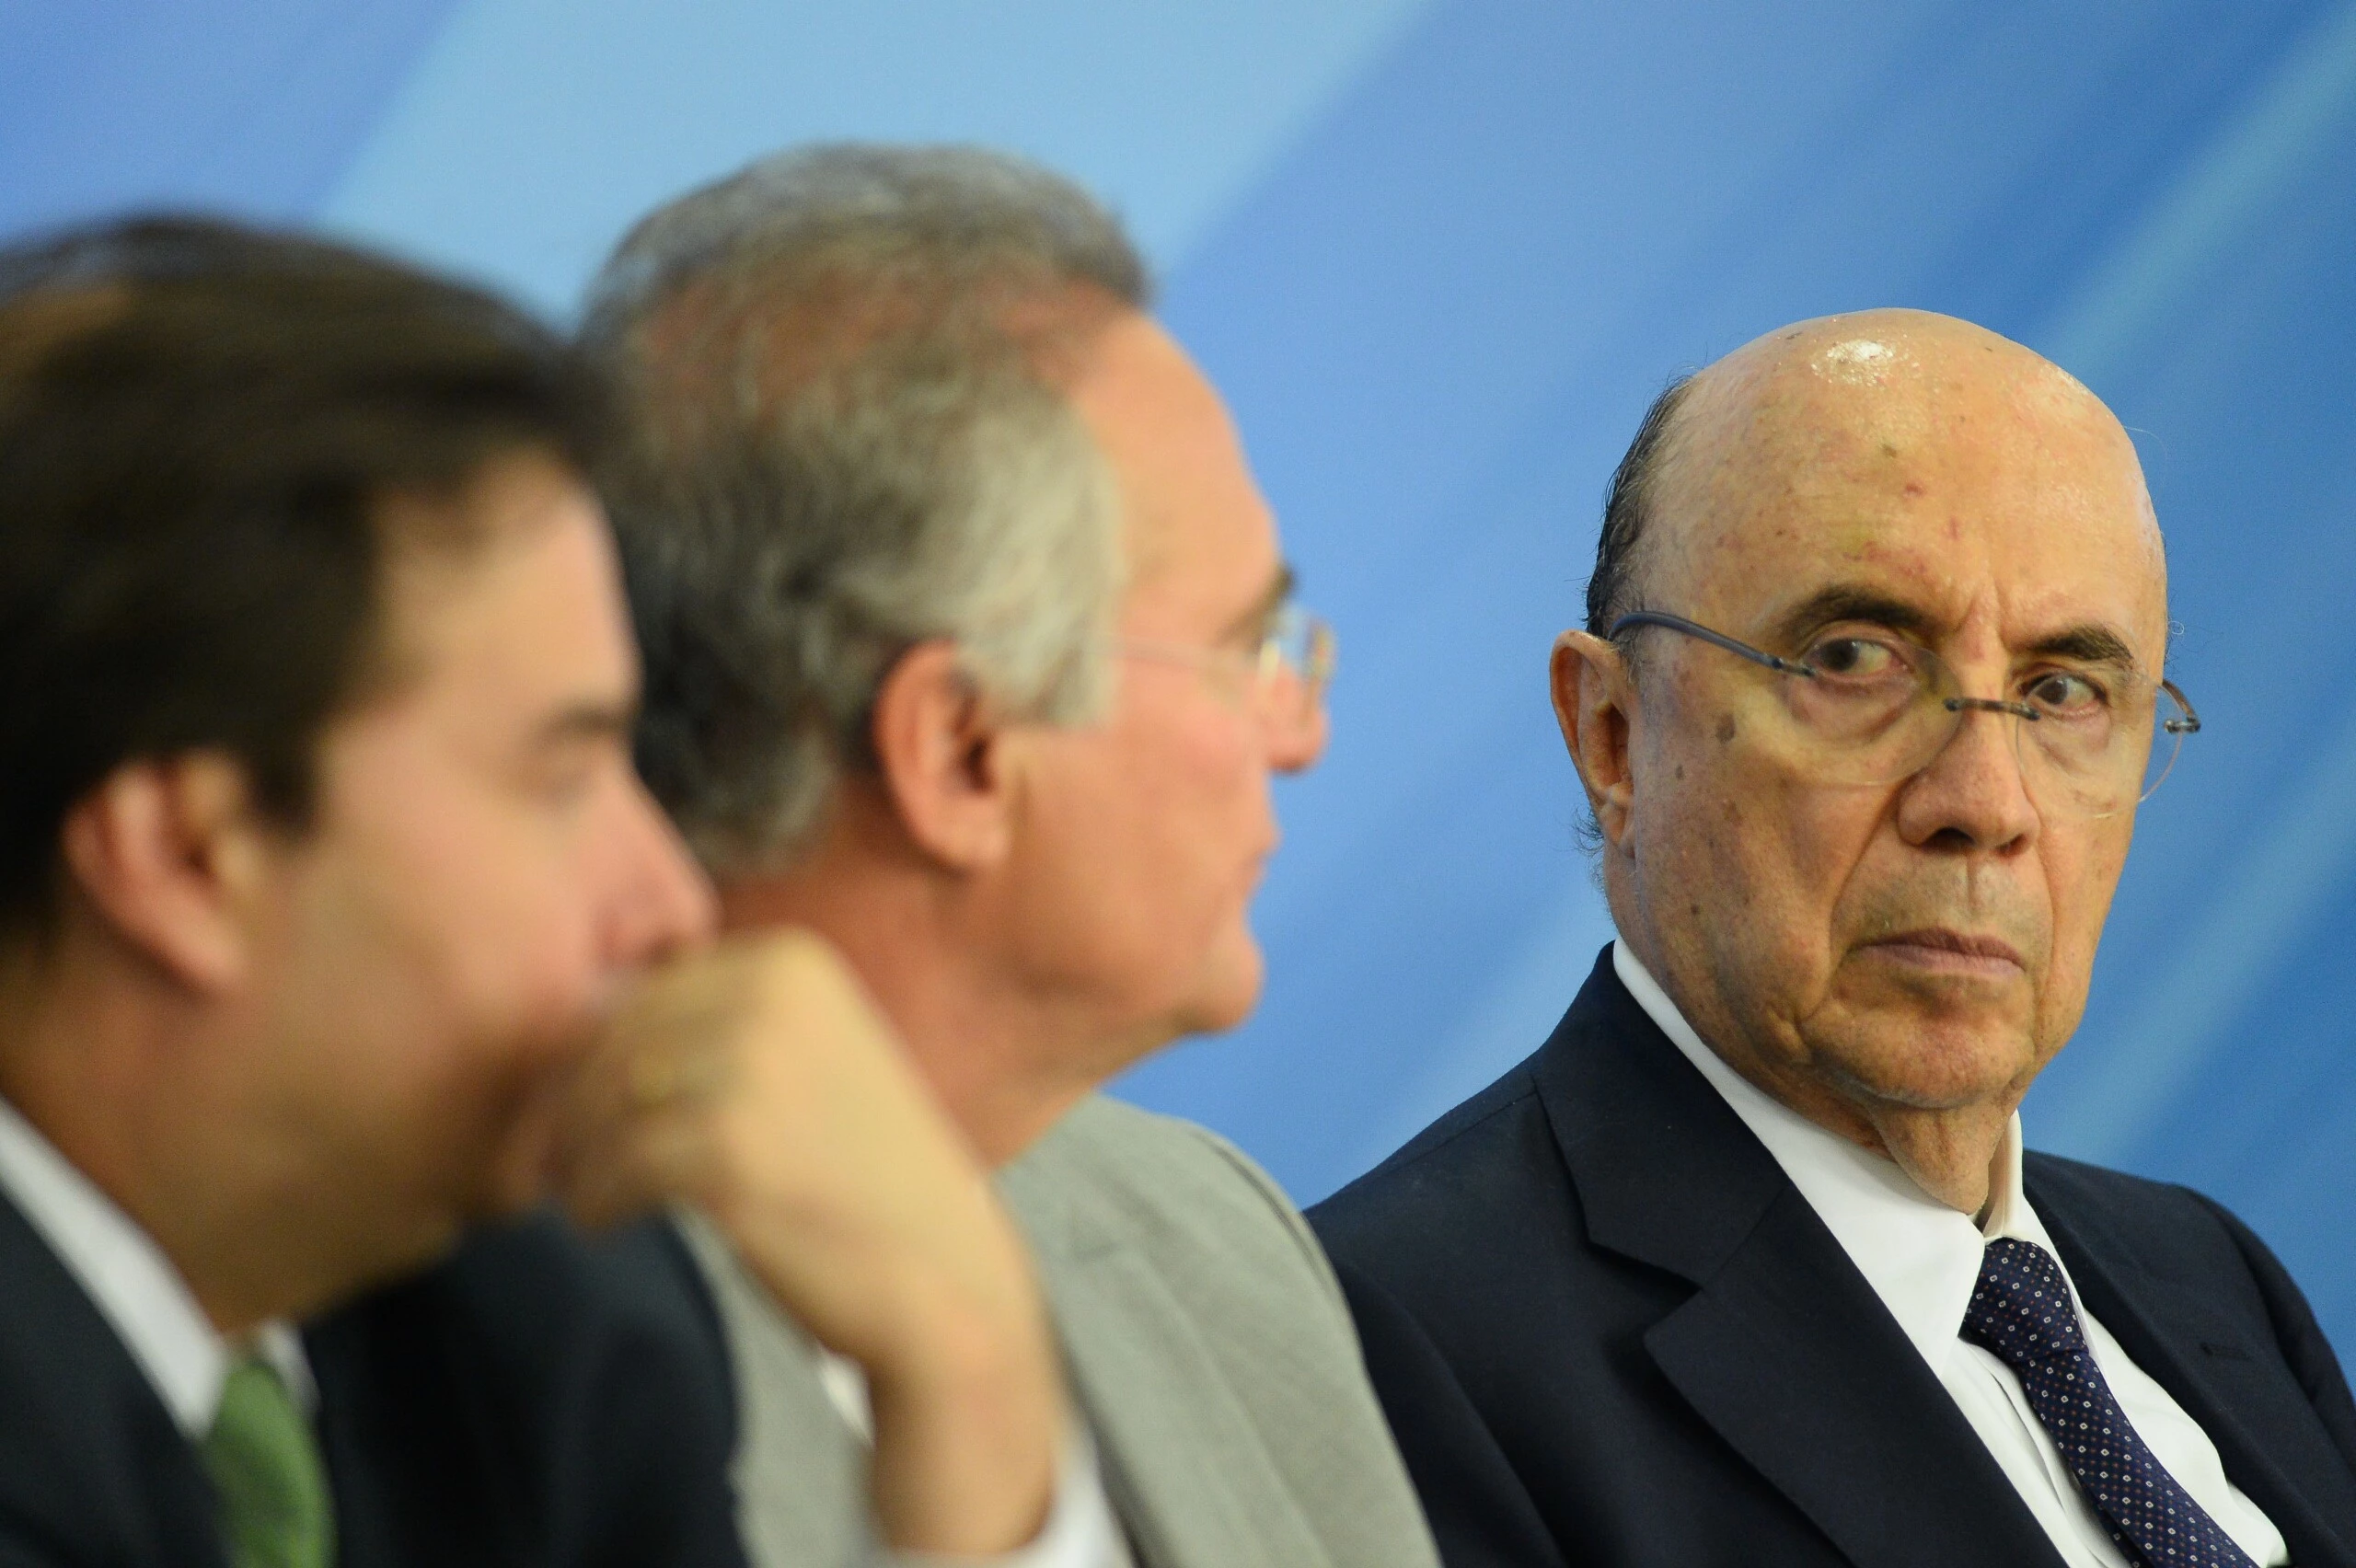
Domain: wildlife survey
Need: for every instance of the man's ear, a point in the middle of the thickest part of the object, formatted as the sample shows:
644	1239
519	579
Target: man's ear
1594	702
938	746
171	853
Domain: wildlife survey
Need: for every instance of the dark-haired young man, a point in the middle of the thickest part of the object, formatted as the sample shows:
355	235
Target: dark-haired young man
326	885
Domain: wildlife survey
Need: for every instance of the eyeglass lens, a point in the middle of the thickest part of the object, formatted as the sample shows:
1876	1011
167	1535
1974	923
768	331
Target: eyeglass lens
2090	744
1296	664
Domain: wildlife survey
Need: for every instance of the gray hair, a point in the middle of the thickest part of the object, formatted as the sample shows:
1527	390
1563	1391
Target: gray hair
845	433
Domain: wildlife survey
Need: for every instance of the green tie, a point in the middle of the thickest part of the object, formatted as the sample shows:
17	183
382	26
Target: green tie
265	1465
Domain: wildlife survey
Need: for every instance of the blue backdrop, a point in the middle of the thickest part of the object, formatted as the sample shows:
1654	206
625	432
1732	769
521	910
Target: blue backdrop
1439	253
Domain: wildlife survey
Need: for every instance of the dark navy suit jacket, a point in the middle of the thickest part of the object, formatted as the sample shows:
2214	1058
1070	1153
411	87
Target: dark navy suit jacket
1607	1329
534	1400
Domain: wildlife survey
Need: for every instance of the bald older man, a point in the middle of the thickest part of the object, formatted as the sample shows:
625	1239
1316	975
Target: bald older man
1746	1265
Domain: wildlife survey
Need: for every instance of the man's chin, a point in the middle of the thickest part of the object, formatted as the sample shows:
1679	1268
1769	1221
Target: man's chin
1905	995
1932	1043
1929	1065
1228	990
516	1167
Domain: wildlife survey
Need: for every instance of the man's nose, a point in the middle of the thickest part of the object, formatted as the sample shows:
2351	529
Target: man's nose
1972	794
1295	745
663	902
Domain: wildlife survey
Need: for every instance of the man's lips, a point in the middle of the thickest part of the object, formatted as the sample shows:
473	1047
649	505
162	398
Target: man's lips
1936	947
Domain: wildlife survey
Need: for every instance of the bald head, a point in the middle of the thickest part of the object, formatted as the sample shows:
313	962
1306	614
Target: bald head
1822	424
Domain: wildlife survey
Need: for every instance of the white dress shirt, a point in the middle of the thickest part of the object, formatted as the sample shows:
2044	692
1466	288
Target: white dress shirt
1081	1530
133	1285
1922	1259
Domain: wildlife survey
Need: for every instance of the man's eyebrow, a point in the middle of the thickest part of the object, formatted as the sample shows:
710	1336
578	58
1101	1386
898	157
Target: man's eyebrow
2088	643
1853	602
589	720
1254	621
2092	643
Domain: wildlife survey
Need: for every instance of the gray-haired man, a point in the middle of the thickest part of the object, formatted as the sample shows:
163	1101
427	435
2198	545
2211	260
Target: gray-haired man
969	647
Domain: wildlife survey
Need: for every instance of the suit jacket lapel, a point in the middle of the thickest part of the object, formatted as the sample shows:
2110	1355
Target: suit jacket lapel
1783	1349
417	1471
810	1503
2198	1356
92	1466
1184	1465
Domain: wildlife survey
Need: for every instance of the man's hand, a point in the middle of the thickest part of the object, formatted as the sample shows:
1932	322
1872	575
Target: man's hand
756	1082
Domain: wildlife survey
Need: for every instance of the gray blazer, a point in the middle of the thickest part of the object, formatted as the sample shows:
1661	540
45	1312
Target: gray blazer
1207	1344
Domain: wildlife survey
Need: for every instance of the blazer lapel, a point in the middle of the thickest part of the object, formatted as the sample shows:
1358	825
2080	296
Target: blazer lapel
2207	1365
1783	1349
802	1473
1185	1466
91	1463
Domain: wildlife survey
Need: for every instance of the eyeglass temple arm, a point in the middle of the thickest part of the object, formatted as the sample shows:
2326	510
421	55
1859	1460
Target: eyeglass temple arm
1718	639
2190	723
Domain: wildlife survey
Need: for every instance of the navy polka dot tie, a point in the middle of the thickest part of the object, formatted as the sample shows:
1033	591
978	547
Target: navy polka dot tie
2021	1309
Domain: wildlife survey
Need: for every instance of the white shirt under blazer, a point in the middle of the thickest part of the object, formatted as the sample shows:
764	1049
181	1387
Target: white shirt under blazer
1922	1259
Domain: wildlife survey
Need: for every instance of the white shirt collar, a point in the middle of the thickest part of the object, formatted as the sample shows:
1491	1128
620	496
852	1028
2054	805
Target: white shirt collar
126	1275
1920	1256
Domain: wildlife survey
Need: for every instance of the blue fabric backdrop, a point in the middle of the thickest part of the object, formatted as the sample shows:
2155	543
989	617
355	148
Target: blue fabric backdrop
1439	253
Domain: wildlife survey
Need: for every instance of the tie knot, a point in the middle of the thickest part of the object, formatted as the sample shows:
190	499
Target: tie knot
2021	1306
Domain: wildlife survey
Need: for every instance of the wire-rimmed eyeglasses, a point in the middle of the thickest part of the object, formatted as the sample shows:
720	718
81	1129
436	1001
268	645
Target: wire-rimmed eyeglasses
1282	681
1861	705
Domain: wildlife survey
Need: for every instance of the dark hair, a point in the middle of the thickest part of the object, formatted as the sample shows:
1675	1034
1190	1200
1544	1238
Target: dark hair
1611	592
1627	507
198	421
